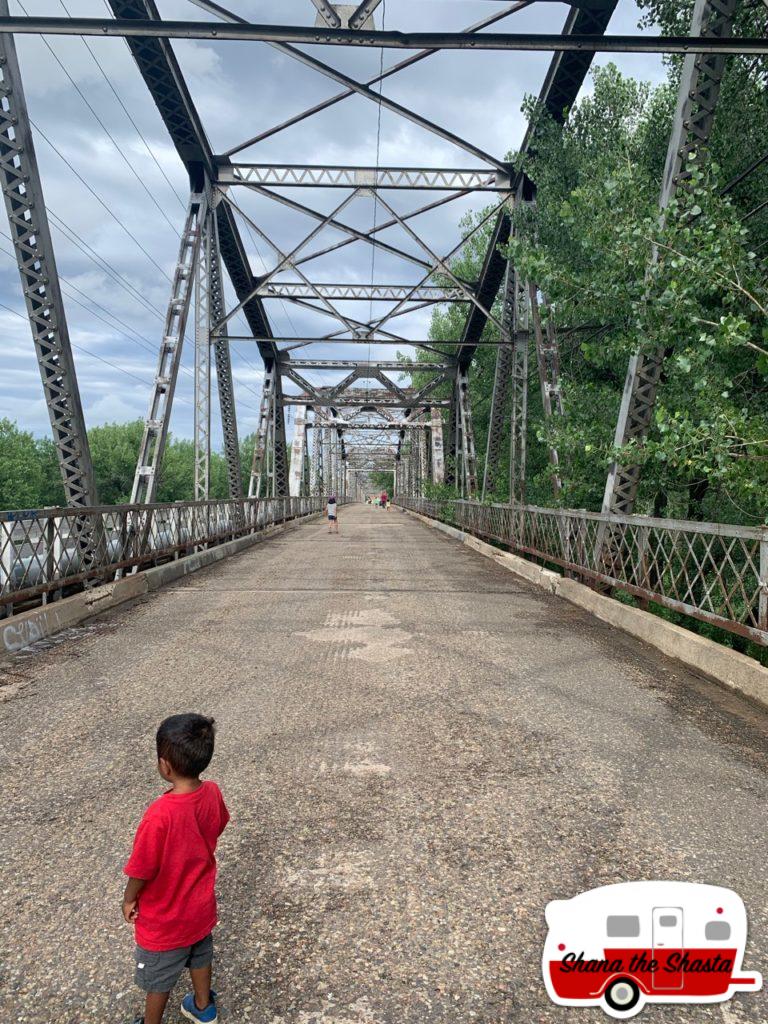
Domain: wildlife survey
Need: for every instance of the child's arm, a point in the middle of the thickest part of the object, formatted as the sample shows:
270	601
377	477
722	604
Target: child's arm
131	899
144	862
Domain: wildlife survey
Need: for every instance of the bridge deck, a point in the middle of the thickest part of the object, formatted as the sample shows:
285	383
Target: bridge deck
419	751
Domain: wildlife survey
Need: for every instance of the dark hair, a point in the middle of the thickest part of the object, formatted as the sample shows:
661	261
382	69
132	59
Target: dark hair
186	743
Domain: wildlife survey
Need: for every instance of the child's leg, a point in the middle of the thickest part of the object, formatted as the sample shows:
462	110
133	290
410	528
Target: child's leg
201	983
155	1005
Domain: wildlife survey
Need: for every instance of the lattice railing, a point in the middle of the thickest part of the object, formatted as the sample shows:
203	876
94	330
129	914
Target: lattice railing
45	550
714	572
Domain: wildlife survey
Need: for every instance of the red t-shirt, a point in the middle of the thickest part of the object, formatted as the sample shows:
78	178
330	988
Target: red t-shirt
174	851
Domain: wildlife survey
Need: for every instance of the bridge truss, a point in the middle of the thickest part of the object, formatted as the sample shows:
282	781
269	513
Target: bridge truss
412	420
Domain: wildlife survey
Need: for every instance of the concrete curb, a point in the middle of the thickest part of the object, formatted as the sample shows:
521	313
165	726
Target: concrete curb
27	627
731	669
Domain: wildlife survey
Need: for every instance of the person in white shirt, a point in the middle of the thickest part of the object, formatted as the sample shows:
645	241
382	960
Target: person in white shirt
333	518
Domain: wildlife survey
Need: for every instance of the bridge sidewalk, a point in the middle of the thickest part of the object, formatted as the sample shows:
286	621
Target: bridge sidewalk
419	750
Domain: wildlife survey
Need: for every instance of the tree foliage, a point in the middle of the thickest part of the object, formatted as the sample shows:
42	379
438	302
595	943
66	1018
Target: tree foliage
30	478
692	284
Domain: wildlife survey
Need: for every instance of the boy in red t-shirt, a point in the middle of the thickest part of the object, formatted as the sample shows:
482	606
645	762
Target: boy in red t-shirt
171	872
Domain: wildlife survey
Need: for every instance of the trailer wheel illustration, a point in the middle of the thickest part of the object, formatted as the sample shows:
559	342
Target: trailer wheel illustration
622	995
622	947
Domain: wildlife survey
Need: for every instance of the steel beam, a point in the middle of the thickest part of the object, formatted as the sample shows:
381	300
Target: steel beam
441	265
491	276
466	437
161	73
298	451
436	441
286	261
415	58
157	420
202	432
364	368
33	248
362	13
283	36
373	403
354	234
327	176
302	57
361	292
698	94
224	380
279	441
261	483
327	13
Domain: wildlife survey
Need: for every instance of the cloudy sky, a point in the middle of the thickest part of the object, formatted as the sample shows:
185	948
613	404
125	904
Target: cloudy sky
115	188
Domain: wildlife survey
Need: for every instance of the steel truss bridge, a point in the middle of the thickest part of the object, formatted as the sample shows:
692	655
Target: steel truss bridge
372	418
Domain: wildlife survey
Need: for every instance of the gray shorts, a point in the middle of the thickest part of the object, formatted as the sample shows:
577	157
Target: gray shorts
159	971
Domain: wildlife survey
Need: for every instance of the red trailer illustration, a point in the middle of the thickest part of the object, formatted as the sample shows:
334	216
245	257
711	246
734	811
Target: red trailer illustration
623	946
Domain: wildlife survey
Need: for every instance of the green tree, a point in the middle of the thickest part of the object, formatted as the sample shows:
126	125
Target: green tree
114	451
22	468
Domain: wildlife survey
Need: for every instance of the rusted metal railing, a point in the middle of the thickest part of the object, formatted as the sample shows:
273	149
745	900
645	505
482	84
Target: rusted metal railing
43	551
714	572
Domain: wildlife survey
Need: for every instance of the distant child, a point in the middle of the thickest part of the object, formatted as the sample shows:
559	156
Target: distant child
171	872
333	517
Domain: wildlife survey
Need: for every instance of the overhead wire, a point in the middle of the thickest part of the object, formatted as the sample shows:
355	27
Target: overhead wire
82	348
99	199
134	337
106	130
101	262
128	114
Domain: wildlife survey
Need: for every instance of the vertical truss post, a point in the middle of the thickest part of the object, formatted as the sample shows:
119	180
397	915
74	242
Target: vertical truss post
203	361
279	444
409	455
334	460
327	461
306	473
298	450
413	459
317	455
261	479
33	247
451	442
519	414
697	99
466	433
548	360
438	456
423	459
501	388
224	381
169	359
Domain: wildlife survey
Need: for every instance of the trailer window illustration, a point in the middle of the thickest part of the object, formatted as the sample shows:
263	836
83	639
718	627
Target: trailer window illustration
623	946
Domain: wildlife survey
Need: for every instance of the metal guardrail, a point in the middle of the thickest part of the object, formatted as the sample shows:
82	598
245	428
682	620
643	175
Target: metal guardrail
714	572
44	550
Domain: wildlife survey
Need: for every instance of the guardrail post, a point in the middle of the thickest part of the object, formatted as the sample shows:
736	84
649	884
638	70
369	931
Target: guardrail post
7	557
50	554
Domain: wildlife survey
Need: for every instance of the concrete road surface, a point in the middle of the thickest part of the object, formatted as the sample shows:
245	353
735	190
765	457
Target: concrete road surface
419	751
